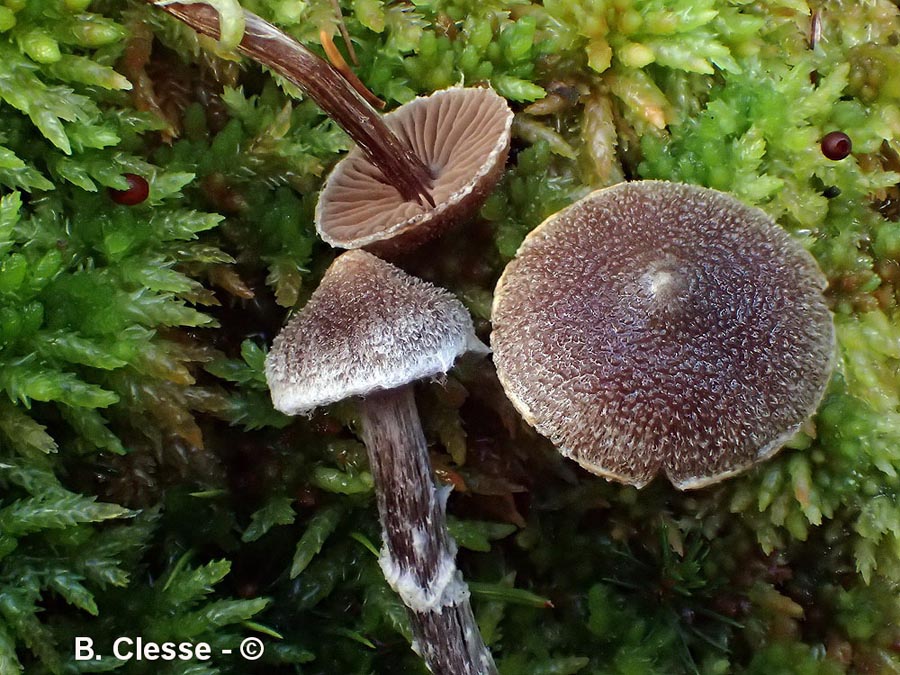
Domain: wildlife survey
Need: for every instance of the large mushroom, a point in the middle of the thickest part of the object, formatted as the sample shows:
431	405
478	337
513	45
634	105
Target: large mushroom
658	327
462	135
370	330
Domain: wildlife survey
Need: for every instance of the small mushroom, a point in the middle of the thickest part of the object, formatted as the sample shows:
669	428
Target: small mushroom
462	136
413	173
659	327
370	330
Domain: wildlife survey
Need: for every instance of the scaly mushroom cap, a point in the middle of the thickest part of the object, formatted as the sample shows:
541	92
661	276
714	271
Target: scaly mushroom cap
655	326
368	326
462	135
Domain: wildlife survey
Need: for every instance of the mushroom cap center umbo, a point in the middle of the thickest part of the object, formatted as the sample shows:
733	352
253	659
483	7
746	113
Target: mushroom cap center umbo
462	136
655	327
367	326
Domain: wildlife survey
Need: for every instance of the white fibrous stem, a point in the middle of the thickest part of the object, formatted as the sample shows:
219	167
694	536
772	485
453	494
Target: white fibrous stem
418	557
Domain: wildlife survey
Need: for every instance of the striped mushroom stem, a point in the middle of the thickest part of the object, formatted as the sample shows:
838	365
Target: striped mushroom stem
418	558
398	164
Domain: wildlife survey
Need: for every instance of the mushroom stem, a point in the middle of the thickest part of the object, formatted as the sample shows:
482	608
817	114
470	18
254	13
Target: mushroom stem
418	557
323	83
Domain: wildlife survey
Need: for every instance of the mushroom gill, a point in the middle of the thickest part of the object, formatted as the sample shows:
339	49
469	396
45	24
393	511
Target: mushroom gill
462	136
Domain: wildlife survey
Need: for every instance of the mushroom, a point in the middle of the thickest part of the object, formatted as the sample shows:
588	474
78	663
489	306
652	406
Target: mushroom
370	330
413	174
658	327
462	135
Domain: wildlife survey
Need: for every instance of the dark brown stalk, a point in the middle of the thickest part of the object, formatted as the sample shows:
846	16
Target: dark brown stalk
324	84
418	555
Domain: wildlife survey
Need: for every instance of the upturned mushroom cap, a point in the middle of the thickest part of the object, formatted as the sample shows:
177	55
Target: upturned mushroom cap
655	326
462	135
368	326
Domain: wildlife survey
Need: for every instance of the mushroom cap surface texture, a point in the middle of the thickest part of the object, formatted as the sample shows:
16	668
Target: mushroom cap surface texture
656	326
369	325
462	136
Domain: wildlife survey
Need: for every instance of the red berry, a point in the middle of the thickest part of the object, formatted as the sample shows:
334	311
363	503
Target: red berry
138	190
836	145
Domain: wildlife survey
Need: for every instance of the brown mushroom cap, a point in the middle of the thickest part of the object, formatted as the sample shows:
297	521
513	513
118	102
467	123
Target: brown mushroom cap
368	326
462	135
656	326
